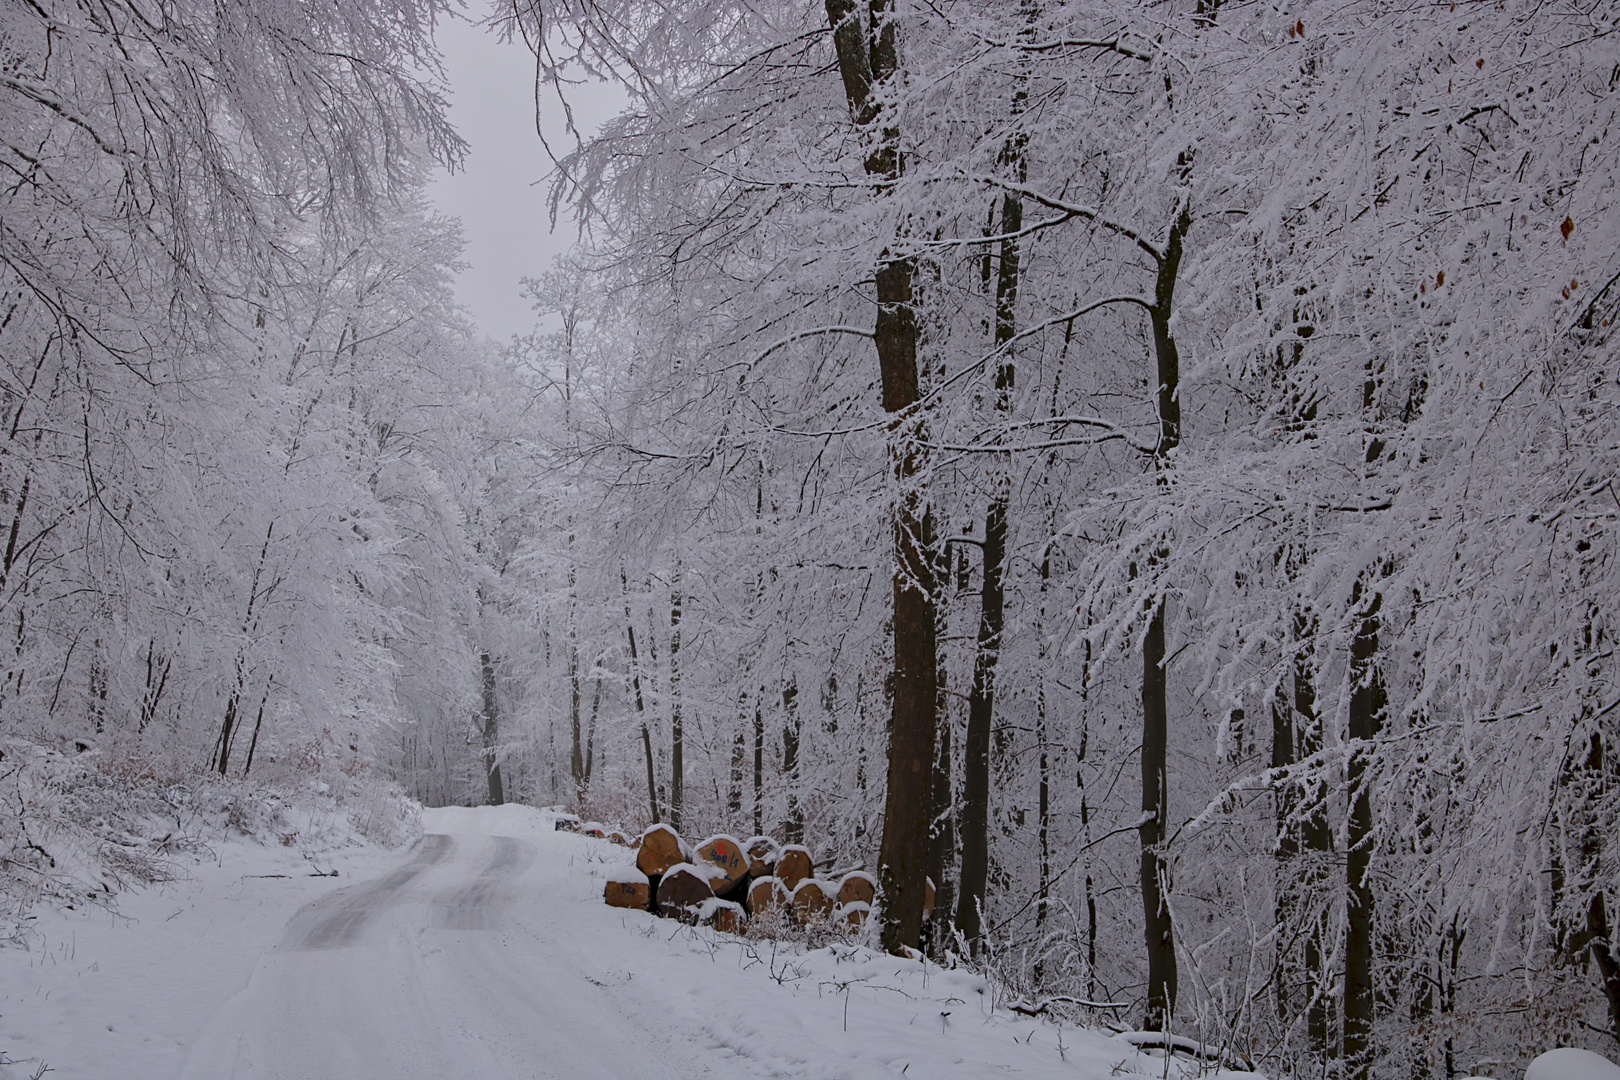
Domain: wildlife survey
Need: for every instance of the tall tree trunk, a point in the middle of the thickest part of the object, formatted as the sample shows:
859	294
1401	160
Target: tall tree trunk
577	752
868	54
942	844
641	704
677	744
1368	700
491	732
992	596
1156	921
590	737
793	828
759	767
739	750
1161	949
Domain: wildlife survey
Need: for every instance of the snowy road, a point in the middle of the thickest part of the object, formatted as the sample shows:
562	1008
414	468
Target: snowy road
461	963
486	953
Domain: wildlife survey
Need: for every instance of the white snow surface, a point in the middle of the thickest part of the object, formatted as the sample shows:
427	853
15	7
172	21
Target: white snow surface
486	952
1572	1064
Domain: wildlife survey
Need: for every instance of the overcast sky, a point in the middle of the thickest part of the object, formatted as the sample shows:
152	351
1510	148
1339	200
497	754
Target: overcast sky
500	196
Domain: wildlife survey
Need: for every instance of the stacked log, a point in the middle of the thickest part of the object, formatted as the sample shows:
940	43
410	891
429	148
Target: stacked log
851	917
755	886
857	887
627	887
627	894
723	915
660	850
793	865
765	895
682	890
762	854
726	855
813	901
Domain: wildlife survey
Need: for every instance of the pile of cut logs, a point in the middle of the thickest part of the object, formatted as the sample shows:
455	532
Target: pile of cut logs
734	887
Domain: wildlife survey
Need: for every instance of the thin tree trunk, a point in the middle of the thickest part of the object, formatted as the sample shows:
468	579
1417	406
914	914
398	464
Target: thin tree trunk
759	767
577	750
868	55
739	749
492	765
793	829
1368	700
677	745
258	722
992	595
641	705
590	739
942	849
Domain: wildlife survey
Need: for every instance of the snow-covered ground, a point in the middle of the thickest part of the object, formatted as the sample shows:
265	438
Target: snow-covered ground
486	952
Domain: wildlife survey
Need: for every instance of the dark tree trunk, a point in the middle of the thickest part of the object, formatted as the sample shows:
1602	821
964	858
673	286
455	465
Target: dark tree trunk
739	750
992	597
1156	921
1161	948
577	754
1368	701
759	768
793	828
868	55
942	850
677	745
641	706
491	733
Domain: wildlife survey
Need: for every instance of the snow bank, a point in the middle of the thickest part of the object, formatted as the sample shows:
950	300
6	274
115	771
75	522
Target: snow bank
1569	1063
79	829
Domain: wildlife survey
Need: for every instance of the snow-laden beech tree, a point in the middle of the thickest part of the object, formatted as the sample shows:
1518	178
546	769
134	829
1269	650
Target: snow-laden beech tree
227	333
1277	343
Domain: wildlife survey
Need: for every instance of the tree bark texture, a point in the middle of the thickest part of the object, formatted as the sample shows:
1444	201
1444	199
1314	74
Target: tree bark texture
677	737
1156	920
868	55
491	732
1368	701
992	598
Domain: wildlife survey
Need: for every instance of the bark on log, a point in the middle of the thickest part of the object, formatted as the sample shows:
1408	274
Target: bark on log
660	850
793	866
857	887
724	853
681	890
813	901
627	894
619	838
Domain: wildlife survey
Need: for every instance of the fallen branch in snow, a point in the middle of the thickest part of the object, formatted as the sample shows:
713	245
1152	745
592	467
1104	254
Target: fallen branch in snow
1026	1008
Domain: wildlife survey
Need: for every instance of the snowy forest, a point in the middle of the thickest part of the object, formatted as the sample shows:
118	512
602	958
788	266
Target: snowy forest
1144	466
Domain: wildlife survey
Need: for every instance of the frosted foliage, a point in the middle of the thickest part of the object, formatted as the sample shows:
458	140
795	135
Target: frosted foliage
1393	309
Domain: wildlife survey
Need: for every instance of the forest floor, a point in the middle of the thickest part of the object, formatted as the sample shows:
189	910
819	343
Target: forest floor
485	951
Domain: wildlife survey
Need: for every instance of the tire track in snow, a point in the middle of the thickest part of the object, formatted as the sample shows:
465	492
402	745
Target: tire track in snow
341	928
476	907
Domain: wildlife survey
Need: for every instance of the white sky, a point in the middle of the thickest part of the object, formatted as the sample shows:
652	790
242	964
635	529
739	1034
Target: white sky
500	195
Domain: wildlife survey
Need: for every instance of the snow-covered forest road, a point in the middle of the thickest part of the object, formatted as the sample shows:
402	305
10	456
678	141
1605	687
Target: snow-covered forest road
462	962
482	952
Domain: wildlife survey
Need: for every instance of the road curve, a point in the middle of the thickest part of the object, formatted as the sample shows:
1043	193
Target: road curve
461	964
